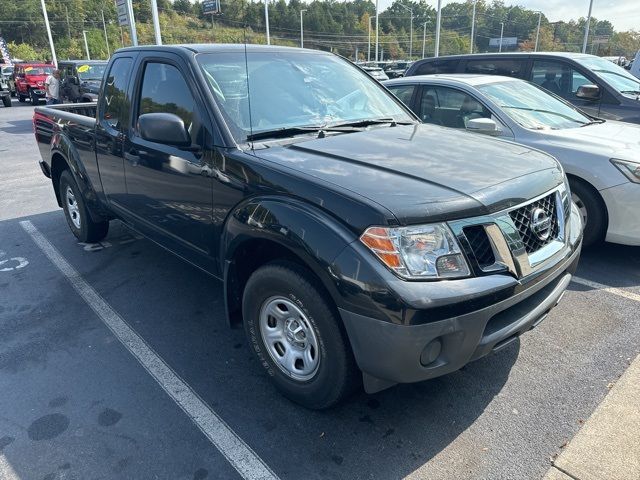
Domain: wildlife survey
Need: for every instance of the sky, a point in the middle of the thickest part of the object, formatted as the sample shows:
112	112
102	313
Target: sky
623	14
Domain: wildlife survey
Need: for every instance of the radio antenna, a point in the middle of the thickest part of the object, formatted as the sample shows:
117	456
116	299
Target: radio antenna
246	69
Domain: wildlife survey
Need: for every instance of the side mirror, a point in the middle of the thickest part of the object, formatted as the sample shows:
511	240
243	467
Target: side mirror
483	125
588	92
165	128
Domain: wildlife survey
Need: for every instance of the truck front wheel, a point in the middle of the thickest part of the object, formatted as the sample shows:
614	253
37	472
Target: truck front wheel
295	334
76	213
6	101
21	98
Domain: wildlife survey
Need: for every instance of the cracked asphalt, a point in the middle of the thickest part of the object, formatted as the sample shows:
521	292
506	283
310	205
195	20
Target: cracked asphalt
75	404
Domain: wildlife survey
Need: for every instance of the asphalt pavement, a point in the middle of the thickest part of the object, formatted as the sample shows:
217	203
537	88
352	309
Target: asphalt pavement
78	399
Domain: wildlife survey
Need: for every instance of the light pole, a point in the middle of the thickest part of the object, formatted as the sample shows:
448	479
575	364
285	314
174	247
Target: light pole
86	45
266	20
410	31
46	23
501	34
586	28
473	24
302	28
377	23
369	45
156	22
538	31
106	37
438	20
424	37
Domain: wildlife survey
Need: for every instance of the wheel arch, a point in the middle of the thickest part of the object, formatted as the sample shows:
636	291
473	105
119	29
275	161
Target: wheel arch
264	230
597	196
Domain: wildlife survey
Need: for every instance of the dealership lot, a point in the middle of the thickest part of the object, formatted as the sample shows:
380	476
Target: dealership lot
176	394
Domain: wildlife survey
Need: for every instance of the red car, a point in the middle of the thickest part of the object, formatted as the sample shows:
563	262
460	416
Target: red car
30	78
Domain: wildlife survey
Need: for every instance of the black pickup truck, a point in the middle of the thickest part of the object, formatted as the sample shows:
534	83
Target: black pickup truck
355	244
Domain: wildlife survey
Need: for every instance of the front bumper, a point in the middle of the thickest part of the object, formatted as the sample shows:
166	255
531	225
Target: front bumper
445	325
623	207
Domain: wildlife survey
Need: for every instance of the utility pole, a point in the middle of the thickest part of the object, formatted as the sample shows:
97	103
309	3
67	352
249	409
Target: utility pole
538	31
586	28
132	24
424	37
106	37
68	24
86	45
266	20
54	59
302	28
156	22
473	24
438	21
377	24
501	35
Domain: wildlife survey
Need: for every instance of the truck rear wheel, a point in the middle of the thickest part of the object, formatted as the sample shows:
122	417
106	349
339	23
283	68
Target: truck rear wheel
76	213
6	101
294	332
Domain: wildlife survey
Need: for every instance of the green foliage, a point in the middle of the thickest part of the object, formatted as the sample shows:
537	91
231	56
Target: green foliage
342	27
23	51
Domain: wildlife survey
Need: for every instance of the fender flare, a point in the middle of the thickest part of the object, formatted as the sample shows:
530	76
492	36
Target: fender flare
62	146
307	232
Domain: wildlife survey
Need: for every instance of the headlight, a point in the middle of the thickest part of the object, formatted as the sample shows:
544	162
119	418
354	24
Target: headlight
418	252
631	170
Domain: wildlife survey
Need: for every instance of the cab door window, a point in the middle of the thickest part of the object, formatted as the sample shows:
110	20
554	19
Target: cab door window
164	90
507	67
558	77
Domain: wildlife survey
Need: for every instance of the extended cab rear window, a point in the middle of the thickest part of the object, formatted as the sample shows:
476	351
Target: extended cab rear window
506	67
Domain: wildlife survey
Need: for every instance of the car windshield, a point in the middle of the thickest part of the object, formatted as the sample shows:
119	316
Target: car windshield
39	70
532	107
91	72
7	70
293	89
614	75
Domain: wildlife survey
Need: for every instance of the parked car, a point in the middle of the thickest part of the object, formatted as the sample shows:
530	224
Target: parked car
81	79
5	92
349	237
600	157
397	70
375	72
591	83
30	78
6	72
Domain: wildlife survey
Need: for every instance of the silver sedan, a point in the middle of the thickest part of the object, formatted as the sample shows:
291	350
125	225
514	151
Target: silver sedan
601	158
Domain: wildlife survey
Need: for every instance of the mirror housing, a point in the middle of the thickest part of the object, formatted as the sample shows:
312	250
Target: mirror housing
588	92
165	128
483	125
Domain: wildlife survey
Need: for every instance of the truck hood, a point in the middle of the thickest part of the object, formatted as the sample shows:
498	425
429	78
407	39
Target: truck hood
612	139
424	172
35	79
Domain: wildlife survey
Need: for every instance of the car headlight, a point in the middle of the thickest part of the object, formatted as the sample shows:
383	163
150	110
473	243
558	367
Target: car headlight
631	170
418	252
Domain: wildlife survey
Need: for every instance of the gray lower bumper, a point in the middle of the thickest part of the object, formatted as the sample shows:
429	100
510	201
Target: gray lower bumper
388	353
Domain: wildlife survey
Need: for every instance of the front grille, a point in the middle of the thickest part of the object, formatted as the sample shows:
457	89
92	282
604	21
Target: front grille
522	219
480	245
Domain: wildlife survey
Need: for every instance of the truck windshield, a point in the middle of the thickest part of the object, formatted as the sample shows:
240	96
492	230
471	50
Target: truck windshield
39	70
613	74
91	72
293	89
531	107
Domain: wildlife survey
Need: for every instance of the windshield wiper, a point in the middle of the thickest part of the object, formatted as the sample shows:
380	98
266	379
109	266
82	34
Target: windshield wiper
370	121
291	131
593	121
566	117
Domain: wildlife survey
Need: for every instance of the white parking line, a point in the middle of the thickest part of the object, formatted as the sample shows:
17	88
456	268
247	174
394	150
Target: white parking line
248	464
606	288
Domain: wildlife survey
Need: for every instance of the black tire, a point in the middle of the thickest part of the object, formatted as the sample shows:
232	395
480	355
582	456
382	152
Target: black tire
336	375
22	98
587	199
6	101
34	99
79	221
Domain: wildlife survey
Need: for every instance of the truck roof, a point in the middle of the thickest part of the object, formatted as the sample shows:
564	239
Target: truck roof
217	48
82	62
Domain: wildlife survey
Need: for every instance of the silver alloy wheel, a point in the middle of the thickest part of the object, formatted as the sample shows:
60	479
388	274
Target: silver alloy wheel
290	338
581	207
72	207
